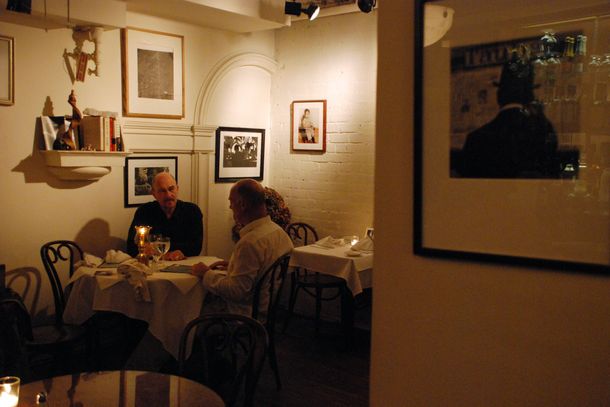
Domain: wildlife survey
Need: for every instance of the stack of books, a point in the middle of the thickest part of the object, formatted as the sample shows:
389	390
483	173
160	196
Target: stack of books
100	132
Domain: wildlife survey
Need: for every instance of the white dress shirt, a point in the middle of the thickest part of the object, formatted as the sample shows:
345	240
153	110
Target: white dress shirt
261	243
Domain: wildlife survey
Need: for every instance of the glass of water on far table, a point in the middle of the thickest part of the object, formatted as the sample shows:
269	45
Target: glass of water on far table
161	246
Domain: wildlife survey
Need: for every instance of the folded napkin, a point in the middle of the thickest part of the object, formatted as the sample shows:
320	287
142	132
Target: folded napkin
89	260
135	273
365	245
116	256
329	242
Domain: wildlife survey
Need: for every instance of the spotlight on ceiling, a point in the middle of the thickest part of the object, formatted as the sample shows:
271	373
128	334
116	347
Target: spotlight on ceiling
294	8
366	5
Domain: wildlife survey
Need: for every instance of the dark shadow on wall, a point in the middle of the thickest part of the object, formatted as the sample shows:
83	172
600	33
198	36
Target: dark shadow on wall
95	238
34	167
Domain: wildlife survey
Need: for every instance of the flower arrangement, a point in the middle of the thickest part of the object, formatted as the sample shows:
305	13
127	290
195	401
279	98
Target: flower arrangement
276	208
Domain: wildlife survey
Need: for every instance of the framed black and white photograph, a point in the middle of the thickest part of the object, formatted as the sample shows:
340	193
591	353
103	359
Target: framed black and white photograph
512	145
153	74
308	130
139	174
240	153
7	66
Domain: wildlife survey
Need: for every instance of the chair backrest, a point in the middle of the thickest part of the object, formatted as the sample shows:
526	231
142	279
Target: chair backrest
268	286
55	256
301	233
15	328
227	355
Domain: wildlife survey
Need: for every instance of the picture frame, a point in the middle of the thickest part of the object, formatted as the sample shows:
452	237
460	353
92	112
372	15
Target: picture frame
152	74
7	70
308	125
240	153
553	220
139	173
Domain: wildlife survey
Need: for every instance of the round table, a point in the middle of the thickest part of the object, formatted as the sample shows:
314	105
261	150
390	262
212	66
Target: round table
125	388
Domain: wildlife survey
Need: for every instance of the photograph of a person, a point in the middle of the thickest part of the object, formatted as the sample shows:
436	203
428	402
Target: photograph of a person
309	125
140	173
240	151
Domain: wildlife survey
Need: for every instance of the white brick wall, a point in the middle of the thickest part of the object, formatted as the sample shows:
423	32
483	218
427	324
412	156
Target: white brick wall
332	58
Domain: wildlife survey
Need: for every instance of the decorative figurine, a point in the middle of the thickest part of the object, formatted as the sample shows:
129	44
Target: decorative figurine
67	141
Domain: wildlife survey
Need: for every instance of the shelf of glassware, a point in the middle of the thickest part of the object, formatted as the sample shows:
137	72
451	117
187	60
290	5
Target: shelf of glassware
83	165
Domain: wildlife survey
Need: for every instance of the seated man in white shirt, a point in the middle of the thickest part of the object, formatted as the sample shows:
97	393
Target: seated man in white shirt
230	284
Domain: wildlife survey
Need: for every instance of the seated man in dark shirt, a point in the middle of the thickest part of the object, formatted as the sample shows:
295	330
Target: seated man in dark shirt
181	221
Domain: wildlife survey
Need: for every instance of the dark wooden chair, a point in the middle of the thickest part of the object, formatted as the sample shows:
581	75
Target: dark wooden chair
265	302
312	283
59	339
227	354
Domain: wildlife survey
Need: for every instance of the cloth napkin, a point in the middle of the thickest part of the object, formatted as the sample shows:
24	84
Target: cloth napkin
365	245
116	256
329	242
89	260
135	273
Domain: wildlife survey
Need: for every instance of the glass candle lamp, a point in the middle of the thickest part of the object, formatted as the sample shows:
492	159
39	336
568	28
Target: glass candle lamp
141	239
9	391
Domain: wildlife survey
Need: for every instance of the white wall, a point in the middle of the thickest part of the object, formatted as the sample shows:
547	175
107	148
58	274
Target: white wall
332	58
37	207
452	333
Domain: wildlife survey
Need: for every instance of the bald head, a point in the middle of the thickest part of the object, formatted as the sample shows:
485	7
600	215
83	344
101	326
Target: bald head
165	191
247	198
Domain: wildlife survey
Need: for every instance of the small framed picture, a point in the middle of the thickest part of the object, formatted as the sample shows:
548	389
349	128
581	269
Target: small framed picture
240	153
153	74
308	131
139	174
7	64
370	233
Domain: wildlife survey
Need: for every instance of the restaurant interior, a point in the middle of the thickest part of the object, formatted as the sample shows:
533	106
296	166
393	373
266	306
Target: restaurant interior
444	330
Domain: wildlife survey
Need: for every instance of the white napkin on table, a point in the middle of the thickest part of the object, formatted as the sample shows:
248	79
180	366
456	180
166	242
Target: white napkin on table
365	245
135	274
329	242
116	256
89	260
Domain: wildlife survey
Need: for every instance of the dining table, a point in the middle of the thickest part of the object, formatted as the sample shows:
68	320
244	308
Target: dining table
355	267
120	388
174	297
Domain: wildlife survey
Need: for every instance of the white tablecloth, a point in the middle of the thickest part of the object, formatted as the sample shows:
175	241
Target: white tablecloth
356	271
176	299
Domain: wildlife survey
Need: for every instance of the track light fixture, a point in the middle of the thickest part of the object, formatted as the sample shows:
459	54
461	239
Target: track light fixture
294	8
366	5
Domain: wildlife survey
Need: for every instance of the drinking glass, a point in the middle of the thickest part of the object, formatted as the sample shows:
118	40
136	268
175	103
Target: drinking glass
161	247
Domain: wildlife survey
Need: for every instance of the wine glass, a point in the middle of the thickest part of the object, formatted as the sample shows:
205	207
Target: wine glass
161	246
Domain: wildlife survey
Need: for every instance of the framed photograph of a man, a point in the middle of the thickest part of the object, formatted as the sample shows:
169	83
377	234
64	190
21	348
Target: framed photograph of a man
139	173
240	153
308	119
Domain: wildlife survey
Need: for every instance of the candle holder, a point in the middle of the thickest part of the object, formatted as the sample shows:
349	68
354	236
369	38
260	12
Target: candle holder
9	391
141	240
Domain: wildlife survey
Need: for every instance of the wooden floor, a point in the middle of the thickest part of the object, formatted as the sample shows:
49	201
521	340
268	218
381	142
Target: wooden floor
317	371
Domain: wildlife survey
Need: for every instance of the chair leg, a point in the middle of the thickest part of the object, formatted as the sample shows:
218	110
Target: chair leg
318	308
273	362
347	314
294	291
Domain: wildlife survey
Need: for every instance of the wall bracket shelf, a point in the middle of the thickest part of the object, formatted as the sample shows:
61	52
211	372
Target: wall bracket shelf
83	165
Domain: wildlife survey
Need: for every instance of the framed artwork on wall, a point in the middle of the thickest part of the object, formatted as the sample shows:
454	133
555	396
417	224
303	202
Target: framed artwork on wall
240	153
7	66
529	190
139	174
308	125
153	74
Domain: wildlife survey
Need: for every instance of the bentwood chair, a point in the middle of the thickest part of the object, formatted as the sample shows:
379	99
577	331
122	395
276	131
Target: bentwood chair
227	354
59	339
265	301
312	283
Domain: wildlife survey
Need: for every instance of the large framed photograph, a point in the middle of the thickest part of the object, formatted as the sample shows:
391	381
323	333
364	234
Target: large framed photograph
7	67
139	174
153	74
512	139
240	153
308	119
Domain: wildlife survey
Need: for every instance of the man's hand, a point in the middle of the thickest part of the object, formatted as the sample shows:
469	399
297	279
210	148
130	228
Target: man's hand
199	269
174	255
219	265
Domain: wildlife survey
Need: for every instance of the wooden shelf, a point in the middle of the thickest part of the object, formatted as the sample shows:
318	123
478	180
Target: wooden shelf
83	165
